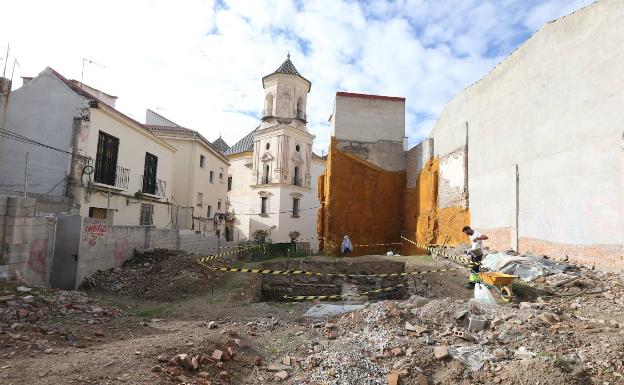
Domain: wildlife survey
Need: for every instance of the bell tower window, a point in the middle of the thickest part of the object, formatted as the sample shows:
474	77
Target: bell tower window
266	174
268	108
300	110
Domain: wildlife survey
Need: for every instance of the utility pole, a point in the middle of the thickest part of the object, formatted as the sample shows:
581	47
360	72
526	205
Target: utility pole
26	177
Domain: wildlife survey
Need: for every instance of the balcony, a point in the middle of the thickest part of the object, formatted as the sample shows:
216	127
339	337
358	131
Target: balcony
298	182
265	180
109	175
155	187
301	115
267	114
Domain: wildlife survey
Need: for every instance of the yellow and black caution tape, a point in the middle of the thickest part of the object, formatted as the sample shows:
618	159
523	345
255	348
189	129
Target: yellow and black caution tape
436	251
337	296
202	260
313	273
378	244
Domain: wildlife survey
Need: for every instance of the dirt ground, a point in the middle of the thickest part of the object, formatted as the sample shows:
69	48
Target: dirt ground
166	306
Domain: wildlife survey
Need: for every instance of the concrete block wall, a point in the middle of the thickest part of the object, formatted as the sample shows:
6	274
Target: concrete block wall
103	246
26	240
197	243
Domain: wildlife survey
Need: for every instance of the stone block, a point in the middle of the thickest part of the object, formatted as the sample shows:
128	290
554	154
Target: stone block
14	211
21	202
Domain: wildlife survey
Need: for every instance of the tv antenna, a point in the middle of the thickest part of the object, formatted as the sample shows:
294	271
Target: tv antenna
88	61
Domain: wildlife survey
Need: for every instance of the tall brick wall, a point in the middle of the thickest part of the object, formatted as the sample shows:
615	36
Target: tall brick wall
361	200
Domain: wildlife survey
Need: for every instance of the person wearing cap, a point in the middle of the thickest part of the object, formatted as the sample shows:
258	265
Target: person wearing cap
346	246
475	252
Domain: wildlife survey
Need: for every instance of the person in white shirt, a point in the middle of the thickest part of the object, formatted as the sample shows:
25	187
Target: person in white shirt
346	246
475	252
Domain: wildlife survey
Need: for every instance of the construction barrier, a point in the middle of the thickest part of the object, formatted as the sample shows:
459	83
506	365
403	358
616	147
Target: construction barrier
379	244
313	273
433	250
337	296
202	260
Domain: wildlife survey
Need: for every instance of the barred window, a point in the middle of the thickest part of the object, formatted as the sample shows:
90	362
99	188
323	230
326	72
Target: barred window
147	215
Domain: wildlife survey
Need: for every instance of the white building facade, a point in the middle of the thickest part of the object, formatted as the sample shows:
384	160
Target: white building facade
273	173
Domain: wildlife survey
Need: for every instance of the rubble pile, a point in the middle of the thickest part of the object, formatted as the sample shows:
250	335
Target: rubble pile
573	336
41	320
156	275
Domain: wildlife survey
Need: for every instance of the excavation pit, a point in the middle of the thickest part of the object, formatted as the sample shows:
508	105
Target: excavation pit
276	287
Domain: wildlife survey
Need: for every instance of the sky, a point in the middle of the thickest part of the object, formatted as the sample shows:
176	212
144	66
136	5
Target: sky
200	63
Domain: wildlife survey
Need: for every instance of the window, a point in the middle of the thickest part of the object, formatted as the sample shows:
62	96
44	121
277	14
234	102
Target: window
229	183
268	145
147	215
218	233
267	172
106	159
228	234
219	204
263	205
297	148
296	177
202	161
149	173
221	176
200	199
295	211
209	211
97	213
211	176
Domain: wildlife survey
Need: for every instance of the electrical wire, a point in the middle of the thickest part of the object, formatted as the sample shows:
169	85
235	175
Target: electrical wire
21	138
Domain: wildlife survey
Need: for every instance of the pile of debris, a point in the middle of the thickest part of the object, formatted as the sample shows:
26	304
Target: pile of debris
164	275
570	337
41	319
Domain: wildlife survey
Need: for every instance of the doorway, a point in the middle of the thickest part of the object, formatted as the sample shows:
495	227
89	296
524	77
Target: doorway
66	248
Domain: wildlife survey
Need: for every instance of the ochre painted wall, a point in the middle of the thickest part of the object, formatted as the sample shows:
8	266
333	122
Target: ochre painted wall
425	222
372	206
361	200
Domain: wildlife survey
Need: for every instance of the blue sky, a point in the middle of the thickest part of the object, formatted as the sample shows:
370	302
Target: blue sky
200	62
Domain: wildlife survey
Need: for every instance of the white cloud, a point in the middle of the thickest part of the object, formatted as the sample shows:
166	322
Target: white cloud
200	63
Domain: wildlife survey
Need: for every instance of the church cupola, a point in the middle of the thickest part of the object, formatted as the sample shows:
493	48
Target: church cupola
285	94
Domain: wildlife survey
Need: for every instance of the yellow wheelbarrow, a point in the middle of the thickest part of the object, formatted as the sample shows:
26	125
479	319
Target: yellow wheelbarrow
500	282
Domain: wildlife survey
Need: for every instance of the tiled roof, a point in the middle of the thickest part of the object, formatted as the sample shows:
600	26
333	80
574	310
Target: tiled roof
81	91
183	130
221	145
175	129
287	67
317	156
243	145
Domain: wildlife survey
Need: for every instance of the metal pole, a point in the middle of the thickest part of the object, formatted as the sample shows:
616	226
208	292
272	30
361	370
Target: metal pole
108	202
26	176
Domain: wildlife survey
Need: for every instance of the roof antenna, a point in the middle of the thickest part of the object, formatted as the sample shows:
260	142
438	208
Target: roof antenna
288	55
83	65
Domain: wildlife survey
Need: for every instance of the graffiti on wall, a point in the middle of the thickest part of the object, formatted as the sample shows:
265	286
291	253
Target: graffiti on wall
37	256
93	231
121	249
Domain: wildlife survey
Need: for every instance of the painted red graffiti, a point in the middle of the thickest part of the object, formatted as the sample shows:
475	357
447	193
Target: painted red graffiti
92	232
121	249
37	257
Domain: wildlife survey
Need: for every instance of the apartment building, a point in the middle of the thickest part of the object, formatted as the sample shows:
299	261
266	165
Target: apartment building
200	177
84	156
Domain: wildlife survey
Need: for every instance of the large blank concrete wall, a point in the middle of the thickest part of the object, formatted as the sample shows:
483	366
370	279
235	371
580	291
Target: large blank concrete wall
368	118
554	109
51	122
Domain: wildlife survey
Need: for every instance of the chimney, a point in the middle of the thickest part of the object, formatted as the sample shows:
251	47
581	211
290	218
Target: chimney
5	90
